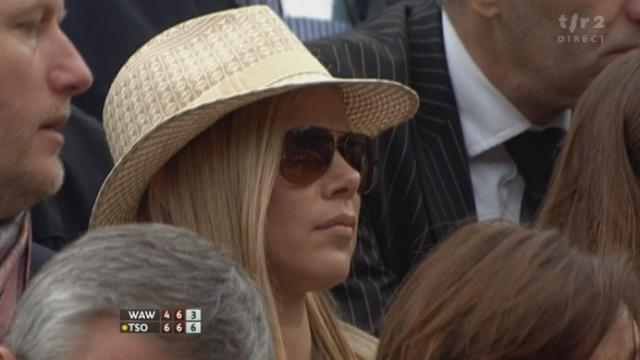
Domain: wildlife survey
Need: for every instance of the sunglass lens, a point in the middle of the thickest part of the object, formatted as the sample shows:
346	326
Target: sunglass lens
307	154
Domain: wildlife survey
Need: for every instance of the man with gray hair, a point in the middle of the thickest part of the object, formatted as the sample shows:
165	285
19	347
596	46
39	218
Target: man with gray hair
71	309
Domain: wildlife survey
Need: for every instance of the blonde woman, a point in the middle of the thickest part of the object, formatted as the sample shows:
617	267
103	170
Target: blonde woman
227	126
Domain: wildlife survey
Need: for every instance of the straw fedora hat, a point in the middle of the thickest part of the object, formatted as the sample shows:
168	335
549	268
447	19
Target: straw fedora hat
188	77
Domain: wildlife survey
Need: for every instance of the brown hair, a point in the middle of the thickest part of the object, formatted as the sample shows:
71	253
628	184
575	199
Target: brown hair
500	291
594	195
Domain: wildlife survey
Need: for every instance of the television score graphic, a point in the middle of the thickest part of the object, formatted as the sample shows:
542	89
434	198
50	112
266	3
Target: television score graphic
165	321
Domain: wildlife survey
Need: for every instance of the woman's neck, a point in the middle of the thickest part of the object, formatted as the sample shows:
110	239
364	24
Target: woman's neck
296	332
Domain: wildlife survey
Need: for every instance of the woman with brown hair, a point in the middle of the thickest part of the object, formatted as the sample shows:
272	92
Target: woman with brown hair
226	125
594	196
500	291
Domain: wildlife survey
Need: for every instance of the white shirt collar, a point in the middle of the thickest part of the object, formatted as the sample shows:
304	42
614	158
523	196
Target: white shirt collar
486	115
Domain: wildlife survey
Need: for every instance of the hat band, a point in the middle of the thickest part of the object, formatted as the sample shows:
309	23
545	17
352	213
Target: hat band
263	74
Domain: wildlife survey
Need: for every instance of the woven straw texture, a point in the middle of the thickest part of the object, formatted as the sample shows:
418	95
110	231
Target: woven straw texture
188	77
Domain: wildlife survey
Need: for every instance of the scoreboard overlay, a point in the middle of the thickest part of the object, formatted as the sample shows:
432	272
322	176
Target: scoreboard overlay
161	321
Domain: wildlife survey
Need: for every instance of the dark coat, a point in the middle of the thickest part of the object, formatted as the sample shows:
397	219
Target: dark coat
424	188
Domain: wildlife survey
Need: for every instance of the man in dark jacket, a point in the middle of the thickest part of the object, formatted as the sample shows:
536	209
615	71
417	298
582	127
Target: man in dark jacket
40	72
497	80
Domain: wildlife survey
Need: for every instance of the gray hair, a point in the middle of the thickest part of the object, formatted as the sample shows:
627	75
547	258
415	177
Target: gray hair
142	266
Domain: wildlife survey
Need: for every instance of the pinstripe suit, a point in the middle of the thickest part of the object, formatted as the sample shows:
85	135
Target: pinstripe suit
424	187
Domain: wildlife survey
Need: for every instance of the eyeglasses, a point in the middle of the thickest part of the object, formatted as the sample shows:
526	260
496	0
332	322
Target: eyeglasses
307	153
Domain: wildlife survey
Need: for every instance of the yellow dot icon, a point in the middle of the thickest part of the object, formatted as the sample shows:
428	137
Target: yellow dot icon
125	328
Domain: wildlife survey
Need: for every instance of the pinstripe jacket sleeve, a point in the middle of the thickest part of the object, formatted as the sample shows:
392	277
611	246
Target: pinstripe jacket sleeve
423	190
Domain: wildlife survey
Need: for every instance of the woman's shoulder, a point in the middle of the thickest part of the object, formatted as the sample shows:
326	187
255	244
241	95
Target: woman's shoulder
362	343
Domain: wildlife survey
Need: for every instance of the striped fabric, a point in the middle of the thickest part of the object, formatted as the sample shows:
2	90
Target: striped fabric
305	28
309	29
424	187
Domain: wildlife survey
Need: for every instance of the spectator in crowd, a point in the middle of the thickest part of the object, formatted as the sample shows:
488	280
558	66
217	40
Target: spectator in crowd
500	291
41	71
595	194
72	308
107	44
496	81
242	120
107	33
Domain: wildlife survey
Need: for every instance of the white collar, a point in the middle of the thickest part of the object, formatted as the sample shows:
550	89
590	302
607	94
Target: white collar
487	117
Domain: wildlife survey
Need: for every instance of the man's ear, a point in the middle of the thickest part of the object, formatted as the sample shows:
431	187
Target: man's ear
6	354
484	8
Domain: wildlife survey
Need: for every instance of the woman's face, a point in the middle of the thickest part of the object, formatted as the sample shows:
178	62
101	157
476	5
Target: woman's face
311	229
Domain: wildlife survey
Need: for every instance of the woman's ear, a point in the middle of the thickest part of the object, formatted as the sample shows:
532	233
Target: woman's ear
6	354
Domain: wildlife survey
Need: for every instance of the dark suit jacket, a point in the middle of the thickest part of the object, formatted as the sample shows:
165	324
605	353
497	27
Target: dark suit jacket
424	188
40	255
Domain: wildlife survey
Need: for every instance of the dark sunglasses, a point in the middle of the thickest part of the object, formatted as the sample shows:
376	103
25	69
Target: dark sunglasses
307	153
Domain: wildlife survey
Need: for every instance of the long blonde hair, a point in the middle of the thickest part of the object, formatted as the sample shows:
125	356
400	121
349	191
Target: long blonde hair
220	186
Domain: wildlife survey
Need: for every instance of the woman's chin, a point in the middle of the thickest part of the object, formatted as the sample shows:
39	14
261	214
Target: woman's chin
332	274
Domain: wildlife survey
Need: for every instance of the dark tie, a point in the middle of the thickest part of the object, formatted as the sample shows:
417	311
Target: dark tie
534	153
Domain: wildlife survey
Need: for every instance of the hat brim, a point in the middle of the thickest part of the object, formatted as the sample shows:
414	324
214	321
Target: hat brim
372	106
